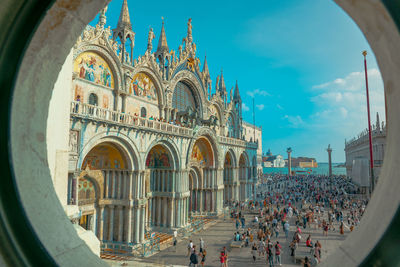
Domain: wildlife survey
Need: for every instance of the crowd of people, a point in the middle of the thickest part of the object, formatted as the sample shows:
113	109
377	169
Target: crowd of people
292	212
311	201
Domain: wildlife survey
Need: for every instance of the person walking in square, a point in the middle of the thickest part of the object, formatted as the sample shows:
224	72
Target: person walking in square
203	257
278	248
254	252
189	248
194	259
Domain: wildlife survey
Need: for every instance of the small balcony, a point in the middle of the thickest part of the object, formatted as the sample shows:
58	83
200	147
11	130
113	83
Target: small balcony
86	111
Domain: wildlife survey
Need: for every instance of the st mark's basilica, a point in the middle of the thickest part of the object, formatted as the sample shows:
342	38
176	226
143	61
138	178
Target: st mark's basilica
152	144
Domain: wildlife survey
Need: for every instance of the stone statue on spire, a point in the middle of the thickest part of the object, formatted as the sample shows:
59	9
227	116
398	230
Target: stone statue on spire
102	17
150	40
104	10
189	31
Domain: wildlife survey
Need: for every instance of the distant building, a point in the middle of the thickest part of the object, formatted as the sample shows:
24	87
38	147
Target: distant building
270	160
248	133
357	155
304	162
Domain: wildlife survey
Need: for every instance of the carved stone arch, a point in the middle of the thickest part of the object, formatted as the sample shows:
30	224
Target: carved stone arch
97	178
171	147
246	158
189	78
233	156
212	138
199	179
110	58
123	142
234	121
156	79
219	111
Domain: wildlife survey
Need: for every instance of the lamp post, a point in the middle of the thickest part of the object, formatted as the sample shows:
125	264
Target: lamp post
371	157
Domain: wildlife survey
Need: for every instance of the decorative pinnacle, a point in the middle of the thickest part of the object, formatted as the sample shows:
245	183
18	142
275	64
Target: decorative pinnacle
364	53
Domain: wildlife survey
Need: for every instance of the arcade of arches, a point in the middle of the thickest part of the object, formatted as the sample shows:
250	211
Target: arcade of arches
142	157
120	203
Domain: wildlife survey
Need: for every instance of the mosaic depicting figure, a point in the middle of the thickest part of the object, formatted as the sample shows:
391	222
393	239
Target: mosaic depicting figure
86	190
143	86
103	157
158	158
202	153
94	68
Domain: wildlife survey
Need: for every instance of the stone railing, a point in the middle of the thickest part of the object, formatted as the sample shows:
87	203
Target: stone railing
88	201
84	110
231	141
363	136
89	111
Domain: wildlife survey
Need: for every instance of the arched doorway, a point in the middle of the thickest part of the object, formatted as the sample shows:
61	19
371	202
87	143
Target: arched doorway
106	167
194	187
160	163
229	180
87	199
202	177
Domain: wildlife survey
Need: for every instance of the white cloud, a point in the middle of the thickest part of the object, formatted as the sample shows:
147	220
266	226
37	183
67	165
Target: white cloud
257	92
279	107
294	121
245	107
260	107
342	101
354	81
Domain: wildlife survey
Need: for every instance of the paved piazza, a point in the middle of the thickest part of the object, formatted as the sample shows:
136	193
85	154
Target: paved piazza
220	235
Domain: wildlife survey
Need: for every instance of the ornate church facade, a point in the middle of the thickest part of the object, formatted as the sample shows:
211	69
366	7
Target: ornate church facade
150	146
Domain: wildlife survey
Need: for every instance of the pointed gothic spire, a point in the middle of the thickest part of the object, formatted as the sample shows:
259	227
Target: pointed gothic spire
205	68
236	96
124	19
102	17
378	124
162	47
124	32
222	86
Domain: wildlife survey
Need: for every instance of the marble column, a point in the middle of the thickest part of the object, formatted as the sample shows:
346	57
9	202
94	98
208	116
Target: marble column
154	211
136	225
106	183
129	185
141	233
159	211
201	206
114	180
120	223
125	185
174	177
171	212
111	223
128	225
179	212
165	211
101	223
119	186
186	211
94	226
183	211
139	184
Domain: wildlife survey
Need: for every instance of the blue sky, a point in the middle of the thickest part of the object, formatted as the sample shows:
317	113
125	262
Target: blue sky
301	60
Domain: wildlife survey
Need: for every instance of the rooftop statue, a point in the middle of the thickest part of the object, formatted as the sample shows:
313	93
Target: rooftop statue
189	31
150	40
